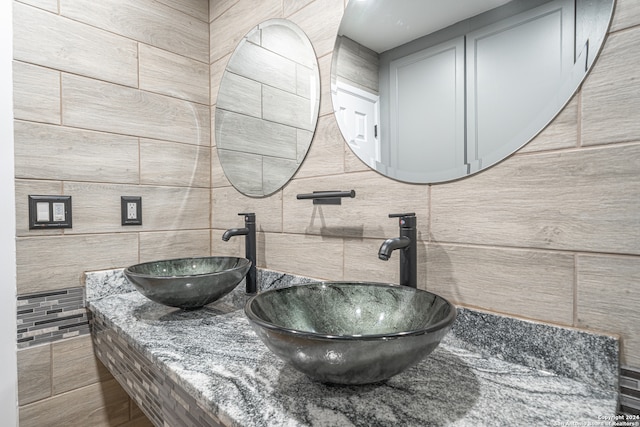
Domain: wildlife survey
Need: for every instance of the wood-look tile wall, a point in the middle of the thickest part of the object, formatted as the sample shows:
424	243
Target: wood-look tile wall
111	99
551	233
64	384
116	98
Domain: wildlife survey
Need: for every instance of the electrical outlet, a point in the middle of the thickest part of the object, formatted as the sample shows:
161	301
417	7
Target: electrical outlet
131	212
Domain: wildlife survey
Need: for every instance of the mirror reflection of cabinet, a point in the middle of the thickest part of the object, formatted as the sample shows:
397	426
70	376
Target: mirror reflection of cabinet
453	105
468	93
504	102
427	110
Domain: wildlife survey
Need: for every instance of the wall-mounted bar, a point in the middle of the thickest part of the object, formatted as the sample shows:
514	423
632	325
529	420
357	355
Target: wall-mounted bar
327	197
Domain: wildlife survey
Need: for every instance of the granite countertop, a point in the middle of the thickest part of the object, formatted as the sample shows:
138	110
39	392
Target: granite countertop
214	355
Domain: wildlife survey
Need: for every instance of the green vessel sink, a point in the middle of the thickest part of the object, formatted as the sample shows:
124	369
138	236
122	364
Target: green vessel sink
350	332
188	283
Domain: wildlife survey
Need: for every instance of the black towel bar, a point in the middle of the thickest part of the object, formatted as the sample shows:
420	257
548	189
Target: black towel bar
327	197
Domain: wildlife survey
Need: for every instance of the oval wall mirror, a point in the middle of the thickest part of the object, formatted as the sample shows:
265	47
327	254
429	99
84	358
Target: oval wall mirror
267	107
432	91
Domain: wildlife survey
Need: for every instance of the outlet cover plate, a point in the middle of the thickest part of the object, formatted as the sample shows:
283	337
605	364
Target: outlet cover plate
131	210
49	212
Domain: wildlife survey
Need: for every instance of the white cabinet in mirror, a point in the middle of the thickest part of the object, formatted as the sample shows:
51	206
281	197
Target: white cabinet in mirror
435	91
267	107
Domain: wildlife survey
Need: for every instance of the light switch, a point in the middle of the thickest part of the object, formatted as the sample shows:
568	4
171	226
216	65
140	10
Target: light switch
58	212
49	212
42	211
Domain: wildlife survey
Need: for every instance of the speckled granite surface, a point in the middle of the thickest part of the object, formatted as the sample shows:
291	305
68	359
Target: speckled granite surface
577	354
100	284
214	355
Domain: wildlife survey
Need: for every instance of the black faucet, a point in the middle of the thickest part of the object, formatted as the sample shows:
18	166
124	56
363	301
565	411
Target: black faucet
407	242
249	231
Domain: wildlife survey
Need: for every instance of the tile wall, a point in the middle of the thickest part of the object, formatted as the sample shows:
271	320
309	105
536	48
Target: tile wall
115	98
111	99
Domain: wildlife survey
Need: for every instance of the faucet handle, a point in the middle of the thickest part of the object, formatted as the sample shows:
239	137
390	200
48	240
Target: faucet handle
248	216
407	220
400	215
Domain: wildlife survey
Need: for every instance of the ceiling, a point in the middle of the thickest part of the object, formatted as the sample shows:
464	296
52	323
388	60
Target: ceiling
384	24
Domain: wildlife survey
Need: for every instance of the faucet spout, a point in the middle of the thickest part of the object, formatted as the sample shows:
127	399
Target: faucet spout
391	245
407	244
249	231
234	232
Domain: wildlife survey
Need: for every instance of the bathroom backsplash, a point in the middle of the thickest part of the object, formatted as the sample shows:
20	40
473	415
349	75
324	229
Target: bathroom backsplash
44	317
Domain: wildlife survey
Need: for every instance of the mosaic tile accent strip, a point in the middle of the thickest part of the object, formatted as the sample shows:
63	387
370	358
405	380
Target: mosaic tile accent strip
44	317
630	390
160	398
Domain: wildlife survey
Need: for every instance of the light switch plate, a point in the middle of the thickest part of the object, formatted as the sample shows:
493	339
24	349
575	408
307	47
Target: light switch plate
131	210
49	212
